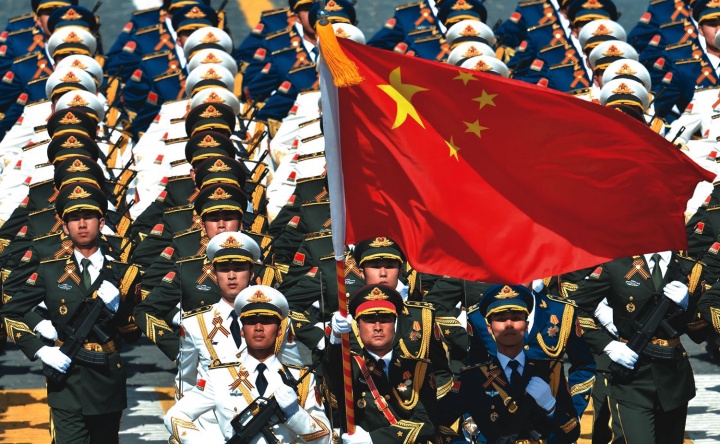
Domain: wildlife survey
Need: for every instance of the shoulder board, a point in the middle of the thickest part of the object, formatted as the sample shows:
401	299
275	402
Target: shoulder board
41	128
717	207
38	80
294	366
42	165
309	122
278	33
675	23
47	236
413	359
687	61
318	235
17	18
280	51
310	139
38	102
197	311
44	182
410	5
416	32
657	2
678	45
328	257
483	364
52	259
315	155
473	308
175	73
429	38
560	66
303	68
192	258
179	162
154	55
150	28
32	55
310	179
177	140
176	178
217	364
180	208
419	304
35	145
145	11
170	102
559	299
447	321
186	232
316	202
551	47
20	31
274	11
177	120
544	25
44	210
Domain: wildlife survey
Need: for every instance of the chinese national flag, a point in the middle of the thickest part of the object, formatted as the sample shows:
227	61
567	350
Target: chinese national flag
484	178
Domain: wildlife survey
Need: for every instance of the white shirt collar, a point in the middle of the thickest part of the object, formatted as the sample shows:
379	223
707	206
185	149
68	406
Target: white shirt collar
224	308
664	258
251	364
96	259
387	358
505	359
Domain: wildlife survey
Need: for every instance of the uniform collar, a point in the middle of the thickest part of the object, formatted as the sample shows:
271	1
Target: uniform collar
504	360
96	259
251	363
224	309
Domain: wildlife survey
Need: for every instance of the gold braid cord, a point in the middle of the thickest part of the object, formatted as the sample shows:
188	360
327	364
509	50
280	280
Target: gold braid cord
155	327
568	426
177	423
281	338
714	312
418	380
566	326
425	344
206	337
324	431
412	430
304	388
582	387
15	329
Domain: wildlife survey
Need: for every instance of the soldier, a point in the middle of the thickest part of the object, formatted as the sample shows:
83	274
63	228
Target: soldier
86	407
230	387
513	398
390	390
654	396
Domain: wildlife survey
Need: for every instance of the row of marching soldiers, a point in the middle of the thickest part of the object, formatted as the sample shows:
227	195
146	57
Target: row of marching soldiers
215	242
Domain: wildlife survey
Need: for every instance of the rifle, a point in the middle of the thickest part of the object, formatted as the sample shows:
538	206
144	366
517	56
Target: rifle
262	414
82	322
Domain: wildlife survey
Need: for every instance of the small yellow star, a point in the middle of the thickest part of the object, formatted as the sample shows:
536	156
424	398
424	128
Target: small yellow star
475	128
447	331
400	433
160	333
485	99
402	94
453	148
465	77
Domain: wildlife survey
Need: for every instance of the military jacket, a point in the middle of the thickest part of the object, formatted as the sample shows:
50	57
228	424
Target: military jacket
407	18
179	191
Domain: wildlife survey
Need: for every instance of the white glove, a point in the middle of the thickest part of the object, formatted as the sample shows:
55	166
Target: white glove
176	318
621	353
53	357
541	393
677	292
359	437
287	399
341	324
46	329
110	295
604	314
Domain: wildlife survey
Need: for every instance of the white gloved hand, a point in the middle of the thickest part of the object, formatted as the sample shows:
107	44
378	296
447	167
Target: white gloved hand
53	357
287	399
540	391
176	318
359	437
110	295
677	292
621	353
46	329
341	324
604	314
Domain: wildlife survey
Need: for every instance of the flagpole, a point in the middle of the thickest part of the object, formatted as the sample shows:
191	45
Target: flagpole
335	183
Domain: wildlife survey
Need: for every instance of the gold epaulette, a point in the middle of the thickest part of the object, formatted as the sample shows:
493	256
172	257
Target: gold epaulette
155	55
297	316
178	162
310	179
197	311
318	235
310	203
447	321
218	364
280	51
145	11
418	304
176	140
270	12
35	145
669	24
33	81
473	308
44	210
186	232
192	258
678	45
26	57
417	32
23	31
44	182
282	268
544	25
278	33
47	236
150	28
530	3
303	68
53	259
309	122
310	139
556	298
429	38
409	5
17	18
173	73
180	208
176	178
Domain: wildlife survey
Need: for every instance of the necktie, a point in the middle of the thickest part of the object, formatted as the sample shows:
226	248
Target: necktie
261	382
657	276
86	279
316	53
235	329
381	366
515	379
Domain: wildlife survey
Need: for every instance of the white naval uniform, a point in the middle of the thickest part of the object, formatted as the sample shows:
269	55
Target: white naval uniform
223	393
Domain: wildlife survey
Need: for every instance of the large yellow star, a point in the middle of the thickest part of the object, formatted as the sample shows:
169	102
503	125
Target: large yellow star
474	128
485	99
465	77
453	148
402	94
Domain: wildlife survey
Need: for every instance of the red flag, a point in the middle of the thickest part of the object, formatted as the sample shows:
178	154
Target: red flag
484	178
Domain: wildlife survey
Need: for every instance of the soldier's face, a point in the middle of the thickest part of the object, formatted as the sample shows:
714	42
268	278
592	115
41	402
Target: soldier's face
708	29
377	332
41	22
220	221
232	278
260	332
83	227
304	17
508	328
381	271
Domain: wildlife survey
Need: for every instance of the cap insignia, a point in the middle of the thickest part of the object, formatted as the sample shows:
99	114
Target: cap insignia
195	13
69	119
623	89
78	64
506	293
461	5
72	142
211	74
340	32
210	111
469	31
471	52
78	193
482	66
211	58
259	297
78	101
381	242
592	4
219	166
376	294
70	77
71	14
213	97
77	167
231	242
220	194
602	30
332	6
625	69
208	142
72	38
613	51
210	38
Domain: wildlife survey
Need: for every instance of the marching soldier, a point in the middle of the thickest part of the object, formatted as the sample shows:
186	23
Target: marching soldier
230	387
86	407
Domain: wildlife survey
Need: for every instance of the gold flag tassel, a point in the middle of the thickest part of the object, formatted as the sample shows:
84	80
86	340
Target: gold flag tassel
344	71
